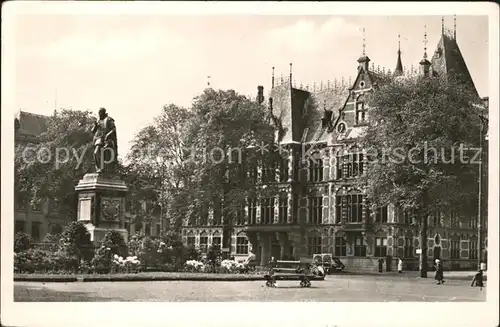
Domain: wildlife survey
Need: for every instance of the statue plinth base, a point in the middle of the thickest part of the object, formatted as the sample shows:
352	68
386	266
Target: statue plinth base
101	204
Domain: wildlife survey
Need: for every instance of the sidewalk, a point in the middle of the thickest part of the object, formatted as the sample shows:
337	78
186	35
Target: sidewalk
456	275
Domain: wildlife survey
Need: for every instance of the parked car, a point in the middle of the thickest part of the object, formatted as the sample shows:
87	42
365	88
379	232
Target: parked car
329	263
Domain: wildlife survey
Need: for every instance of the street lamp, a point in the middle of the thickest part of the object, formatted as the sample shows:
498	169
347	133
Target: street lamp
484	121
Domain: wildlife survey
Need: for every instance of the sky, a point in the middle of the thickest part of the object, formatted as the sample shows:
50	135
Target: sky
134	64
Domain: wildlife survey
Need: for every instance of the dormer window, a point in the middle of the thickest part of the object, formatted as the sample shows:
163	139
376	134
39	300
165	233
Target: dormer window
439	53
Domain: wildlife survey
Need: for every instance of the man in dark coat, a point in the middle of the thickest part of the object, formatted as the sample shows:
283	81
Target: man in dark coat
439	272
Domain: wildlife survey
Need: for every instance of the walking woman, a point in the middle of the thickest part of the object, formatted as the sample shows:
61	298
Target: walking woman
439	272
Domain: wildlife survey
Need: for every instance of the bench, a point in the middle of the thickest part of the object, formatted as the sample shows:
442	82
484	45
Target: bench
289	270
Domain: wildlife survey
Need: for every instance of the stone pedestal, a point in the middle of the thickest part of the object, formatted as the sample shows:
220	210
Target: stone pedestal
101	204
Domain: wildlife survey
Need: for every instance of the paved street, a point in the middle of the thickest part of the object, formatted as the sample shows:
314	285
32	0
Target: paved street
334	288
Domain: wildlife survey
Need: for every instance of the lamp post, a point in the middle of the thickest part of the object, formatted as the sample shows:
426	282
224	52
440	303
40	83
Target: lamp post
484	121
480	195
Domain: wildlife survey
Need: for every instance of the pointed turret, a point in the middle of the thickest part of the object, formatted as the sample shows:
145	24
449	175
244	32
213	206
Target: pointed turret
399	65
425	65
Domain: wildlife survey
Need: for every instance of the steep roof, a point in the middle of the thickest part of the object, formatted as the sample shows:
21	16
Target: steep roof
448	59
299	113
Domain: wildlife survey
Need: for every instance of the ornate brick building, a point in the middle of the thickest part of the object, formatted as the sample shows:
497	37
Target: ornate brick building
318	209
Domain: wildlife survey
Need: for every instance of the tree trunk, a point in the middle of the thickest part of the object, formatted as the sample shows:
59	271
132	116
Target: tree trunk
423	246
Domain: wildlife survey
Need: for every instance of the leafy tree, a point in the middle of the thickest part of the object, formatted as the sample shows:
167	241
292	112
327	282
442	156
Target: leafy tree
413	146
52	167
222	141
157	171
75	241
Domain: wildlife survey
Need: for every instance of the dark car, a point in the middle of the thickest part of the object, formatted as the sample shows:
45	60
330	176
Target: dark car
329	263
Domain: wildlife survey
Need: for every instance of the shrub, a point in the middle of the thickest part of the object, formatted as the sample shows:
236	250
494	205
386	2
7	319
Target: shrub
102	262
115	242
22	242
75	242
40	261
194	266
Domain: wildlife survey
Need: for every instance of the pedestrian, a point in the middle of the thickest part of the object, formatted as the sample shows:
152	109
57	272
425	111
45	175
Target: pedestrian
380	265
439	272
478	279
400	266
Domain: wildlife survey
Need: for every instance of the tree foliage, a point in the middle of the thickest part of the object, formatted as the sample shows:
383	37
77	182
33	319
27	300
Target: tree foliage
75	242
52	167
413	145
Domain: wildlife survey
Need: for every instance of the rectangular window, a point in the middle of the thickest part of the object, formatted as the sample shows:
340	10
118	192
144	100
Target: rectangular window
316	210
473	249
436	219
267	211
252	211
314	245
204	216
381	215
216	242
353	165
455	249
409	216
269	172
284	170
380	246
158	230
35	230
408	248
454	221
147	229
316	170
360	112
359	247
241	245
240	216
473	222
191	240
354	208
19	226
283	211
203	243
252	174
340	247
340	167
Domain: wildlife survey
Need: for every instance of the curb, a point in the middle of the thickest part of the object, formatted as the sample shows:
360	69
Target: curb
133	278
430	275
45	279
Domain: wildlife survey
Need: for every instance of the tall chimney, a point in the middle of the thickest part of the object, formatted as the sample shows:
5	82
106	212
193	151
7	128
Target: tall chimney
260	94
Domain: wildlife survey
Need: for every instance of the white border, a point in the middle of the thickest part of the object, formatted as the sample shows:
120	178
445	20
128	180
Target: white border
246	314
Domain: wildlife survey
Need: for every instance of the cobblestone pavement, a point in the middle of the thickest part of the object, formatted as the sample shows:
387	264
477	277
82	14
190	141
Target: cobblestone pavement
333	288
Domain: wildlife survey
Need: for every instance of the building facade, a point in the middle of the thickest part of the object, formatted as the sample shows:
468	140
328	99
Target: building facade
41	219
318	209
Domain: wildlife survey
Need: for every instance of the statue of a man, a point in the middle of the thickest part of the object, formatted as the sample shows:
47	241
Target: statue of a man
105	145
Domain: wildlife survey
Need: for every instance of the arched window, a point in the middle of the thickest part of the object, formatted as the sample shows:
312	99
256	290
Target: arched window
408	247
241	244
